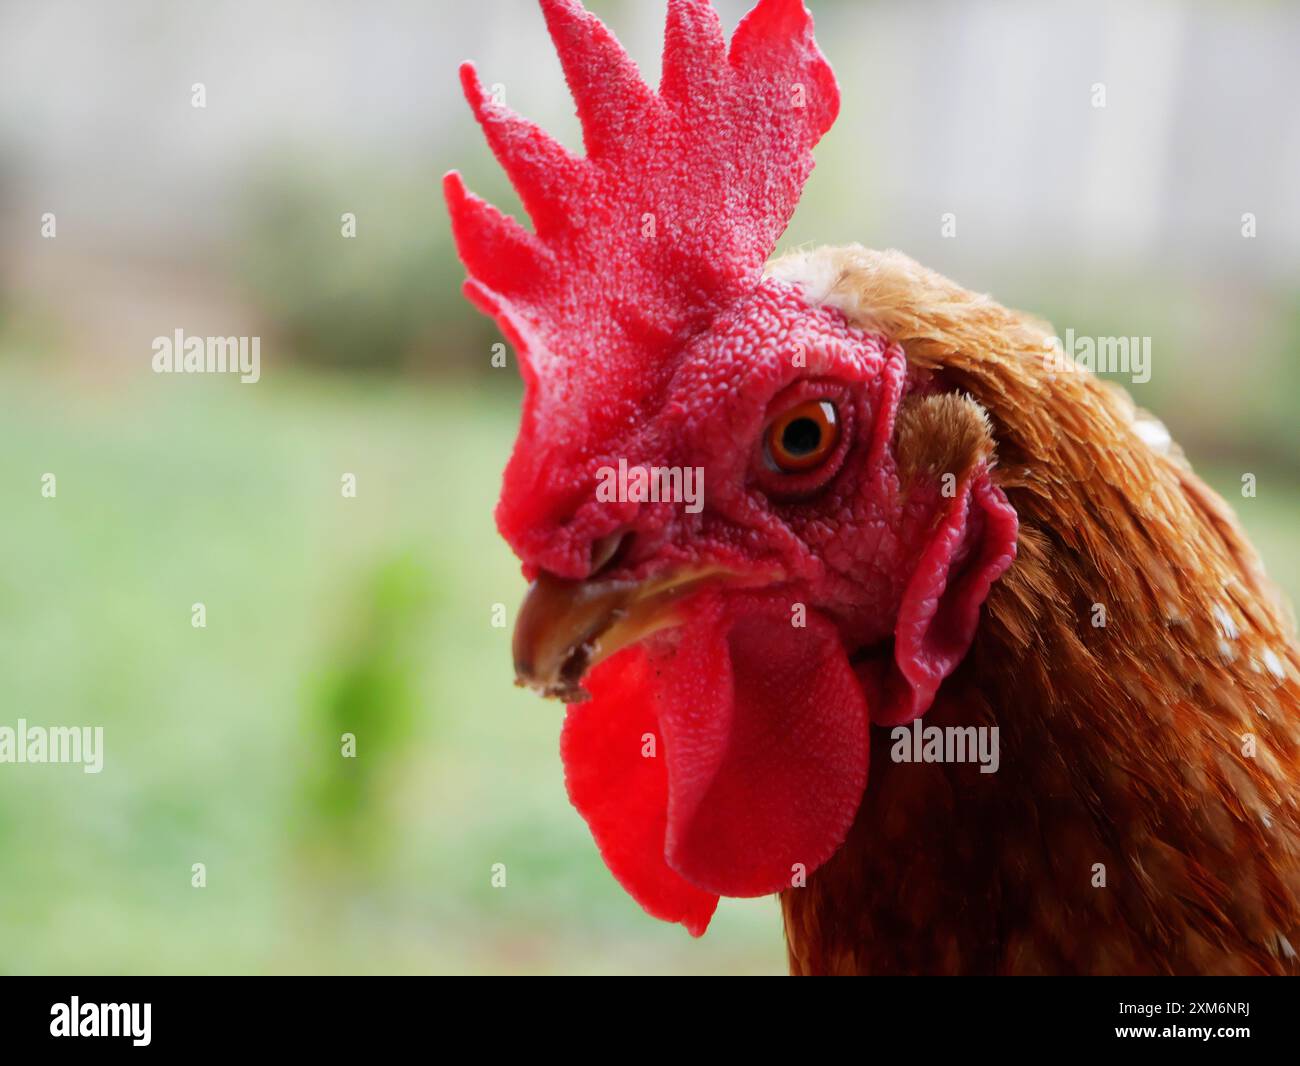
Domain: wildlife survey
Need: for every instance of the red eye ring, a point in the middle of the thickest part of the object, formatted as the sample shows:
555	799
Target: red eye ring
803	437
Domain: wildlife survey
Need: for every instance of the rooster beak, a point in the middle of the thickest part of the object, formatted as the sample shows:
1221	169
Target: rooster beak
567	627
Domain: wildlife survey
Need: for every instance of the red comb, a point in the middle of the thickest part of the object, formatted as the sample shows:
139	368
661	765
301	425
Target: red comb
669	218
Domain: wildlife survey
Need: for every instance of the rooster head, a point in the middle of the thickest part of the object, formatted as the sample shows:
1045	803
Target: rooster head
745	547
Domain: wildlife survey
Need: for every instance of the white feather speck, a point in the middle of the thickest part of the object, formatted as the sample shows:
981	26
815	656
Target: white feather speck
1227	626
1274	664
1152	432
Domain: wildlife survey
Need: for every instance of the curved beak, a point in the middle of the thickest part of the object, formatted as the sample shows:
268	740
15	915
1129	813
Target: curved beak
567	627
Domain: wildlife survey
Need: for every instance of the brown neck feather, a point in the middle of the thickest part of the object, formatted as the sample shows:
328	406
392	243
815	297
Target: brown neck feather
1142	674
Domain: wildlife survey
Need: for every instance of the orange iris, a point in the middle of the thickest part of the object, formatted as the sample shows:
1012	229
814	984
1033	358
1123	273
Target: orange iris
803	437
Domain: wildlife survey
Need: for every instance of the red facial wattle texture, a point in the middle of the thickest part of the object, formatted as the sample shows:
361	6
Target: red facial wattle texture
728	760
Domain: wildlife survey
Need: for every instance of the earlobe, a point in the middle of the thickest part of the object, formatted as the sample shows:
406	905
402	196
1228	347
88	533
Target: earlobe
972	547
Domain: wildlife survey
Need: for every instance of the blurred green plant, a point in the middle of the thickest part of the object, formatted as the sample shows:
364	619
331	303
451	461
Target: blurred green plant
362	712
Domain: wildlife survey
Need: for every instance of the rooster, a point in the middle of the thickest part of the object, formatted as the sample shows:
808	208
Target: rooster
909	508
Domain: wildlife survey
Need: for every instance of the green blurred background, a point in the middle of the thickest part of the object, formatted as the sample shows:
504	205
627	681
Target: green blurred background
373	615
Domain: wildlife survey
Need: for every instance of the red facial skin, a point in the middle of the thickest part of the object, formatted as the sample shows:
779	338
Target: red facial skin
763	722
840	534
645	333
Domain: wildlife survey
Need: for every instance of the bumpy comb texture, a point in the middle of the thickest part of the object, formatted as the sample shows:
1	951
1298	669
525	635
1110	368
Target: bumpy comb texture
668	219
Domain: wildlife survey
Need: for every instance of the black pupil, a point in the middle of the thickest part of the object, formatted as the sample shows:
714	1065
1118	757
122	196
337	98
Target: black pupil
801	437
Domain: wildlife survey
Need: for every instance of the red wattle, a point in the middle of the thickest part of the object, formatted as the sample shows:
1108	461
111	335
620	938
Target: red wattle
760	756
765	730
622	792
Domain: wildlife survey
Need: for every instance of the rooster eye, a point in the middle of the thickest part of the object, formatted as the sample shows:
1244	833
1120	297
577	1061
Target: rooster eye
803	437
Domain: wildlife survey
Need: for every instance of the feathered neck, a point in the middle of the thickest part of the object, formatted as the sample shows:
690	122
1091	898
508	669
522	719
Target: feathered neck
1140	666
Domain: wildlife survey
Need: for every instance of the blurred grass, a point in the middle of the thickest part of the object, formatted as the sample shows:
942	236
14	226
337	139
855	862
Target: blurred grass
325	614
